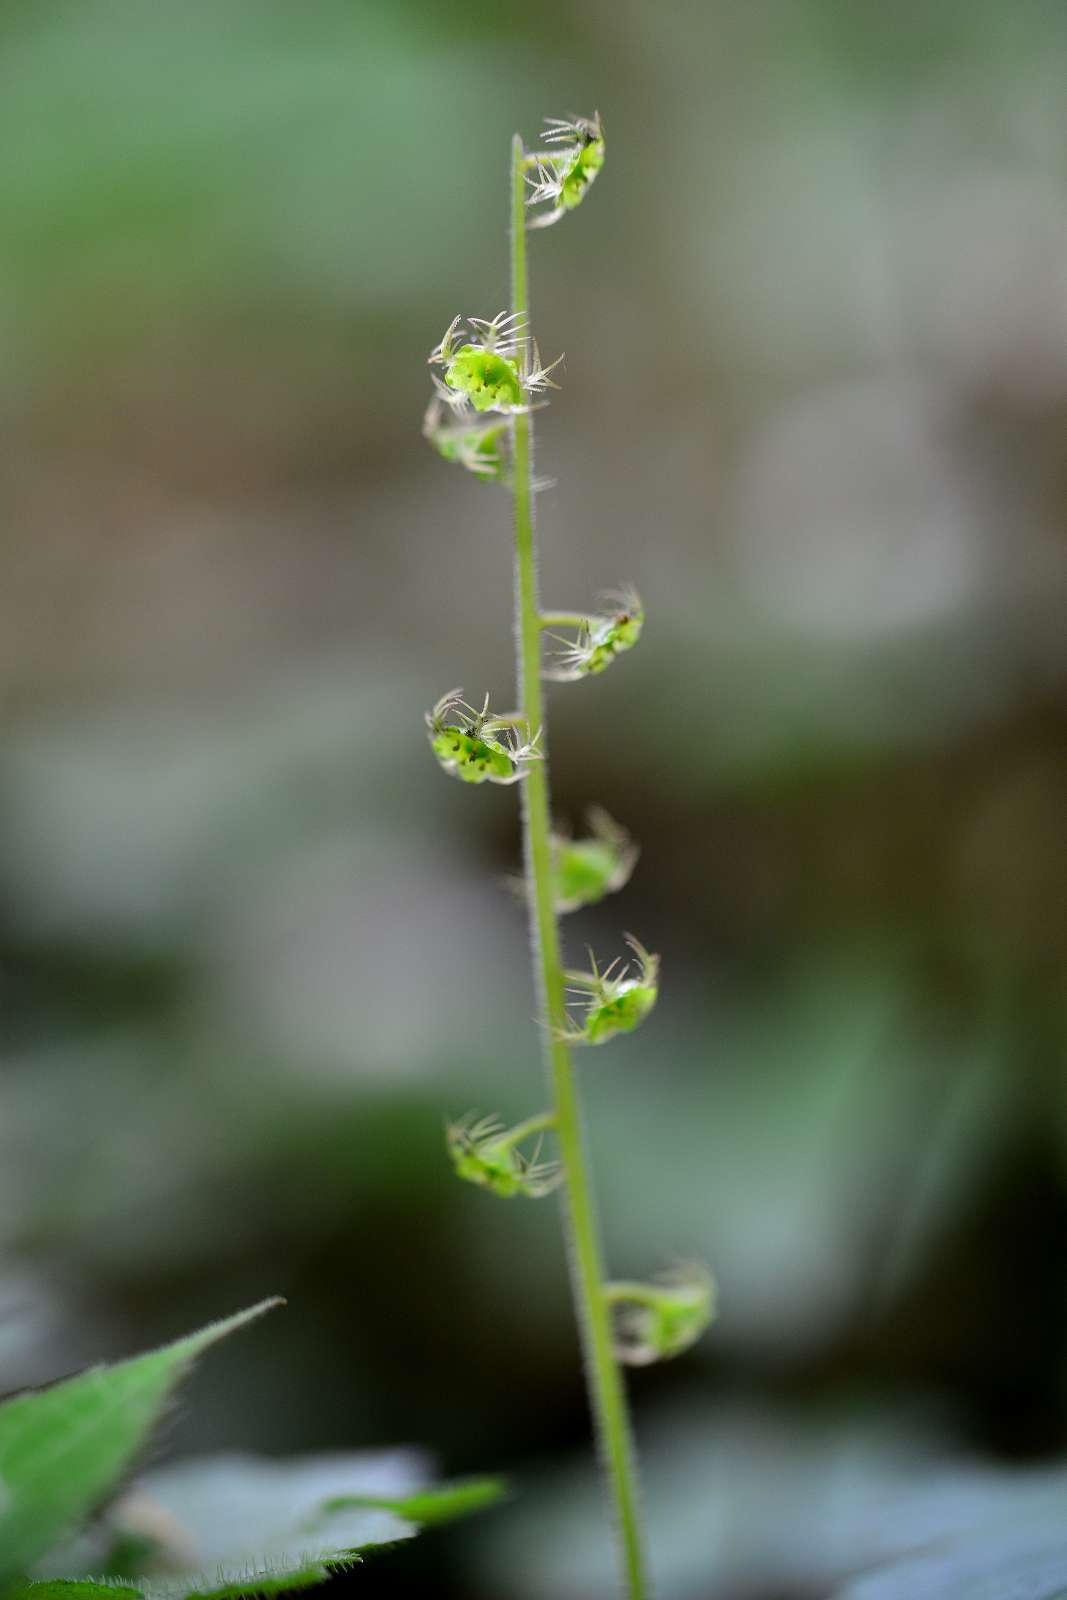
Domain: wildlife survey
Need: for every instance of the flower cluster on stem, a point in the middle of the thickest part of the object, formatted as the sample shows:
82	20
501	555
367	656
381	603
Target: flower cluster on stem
488	381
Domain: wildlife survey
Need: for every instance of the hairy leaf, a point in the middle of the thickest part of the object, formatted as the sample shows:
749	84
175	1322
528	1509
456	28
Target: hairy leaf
72	1589
64	1448
431	1507
236	1525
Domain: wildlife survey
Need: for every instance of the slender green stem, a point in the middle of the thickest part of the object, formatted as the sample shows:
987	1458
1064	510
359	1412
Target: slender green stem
566	619
522	1130
606	1392
640	1294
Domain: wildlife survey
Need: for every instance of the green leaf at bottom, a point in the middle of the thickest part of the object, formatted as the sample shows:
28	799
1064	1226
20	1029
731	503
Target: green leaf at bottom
237	1525
63	1448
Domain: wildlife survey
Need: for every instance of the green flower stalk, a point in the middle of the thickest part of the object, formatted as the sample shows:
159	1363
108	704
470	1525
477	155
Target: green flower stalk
488	383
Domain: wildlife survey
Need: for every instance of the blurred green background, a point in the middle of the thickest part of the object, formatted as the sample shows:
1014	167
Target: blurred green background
254	947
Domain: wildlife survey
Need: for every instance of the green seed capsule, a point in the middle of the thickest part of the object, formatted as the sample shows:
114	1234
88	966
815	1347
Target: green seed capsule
490	364
565	172
624	1012
586	162
472	760
479	448
657	1321
600	639
490	381
611	636
585	870
485	1153
471	746
614	1004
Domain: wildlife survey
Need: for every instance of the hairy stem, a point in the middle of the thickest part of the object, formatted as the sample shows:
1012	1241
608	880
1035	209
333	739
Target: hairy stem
523	1130
566	619
639	1294
606	1392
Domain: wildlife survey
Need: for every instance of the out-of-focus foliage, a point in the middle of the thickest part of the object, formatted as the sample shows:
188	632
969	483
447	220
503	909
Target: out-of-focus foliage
253	951
790	1500
227	1526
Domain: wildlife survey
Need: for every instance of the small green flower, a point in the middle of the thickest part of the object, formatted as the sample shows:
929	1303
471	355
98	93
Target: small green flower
600	639
492	365
656	1321
484	1152
585	870
479	448
562	178
614	1003
476	747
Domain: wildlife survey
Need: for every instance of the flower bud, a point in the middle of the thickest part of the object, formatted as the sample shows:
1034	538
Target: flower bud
657	1321
585	870
600	639
478	446
564	175
486	1153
